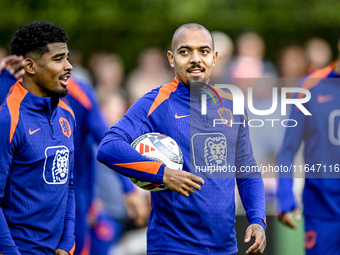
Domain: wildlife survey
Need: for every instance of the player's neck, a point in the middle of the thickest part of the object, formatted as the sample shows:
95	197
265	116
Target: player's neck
31	86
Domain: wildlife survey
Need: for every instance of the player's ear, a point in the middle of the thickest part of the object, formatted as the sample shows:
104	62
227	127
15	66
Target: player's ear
215	54
171	58
29	66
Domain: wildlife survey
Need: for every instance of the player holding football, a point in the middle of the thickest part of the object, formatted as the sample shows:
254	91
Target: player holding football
320	133
36	148
185	221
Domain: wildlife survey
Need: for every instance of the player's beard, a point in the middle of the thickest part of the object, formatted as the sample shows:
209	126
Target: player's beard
56	95
197	82
60	93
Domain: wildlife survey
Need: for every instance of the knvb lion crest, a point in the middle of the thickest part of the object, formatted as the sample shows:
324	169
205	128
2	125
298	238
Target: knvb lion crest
226	115
60	166
215	151
65	126
56	166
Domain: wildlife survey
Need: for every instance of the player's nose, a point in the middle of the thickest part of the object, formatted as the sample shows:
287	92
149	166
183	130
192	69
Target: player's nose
195	57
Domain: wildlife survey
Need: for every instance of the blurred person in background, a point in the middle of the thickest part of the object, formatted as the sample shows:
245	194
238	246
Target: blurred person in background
293	62
114	106
267	139
3	52
150	72
79	72
225	47
319	53
250	69
293	65
90	129
249	61
91	126
108	72
118	200
320	134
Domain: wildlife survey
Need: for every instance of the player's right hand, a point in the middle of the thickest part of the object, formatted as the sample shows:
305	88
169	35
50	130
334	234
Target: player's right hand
287	218
182	182
13	64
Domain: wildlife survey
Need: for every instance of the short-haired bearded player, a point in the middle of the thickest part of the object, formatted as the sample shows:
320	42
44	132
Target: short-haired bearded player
196	215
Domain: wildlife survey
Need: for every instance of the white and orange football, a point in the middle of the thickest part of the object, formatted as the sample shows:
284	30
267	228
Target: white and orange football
159	148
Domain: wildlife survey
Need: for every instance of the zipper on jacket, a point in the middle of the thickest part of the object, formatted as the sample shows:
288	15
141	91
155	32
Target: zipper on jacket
51	125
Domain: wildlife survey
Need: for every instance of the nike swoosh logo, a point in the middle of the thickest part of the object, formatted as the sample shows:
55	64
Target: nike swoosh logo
179	117
324	98
32	132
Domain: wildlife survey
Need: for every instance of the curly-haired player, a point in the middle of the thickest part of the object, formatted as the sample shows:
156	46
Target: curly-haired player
37	144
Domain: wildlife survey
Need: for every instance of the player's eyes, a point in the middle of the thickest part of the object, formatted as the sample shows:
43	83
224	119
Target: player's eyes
183	52
204	51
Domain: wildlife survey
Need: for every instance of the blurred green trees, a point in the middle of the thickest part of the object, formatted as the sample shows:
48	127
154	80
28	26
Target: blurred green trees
127	26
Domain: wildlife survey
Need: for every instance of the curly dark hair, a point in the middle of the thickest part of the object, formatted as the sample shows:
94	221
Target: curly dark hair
35	36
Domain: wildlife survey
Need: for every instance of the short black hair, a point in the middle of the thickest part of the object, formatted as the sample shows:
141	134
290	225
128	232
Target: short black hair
35	36
194	26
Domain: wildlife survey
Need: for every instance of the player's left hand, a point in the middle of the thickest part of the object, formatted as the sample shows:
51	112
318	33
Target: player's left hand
61	252
256	231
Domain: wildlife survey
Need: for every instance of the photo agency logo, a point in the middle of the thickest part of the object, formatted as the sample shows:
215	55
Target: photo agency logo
204	98
238	103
